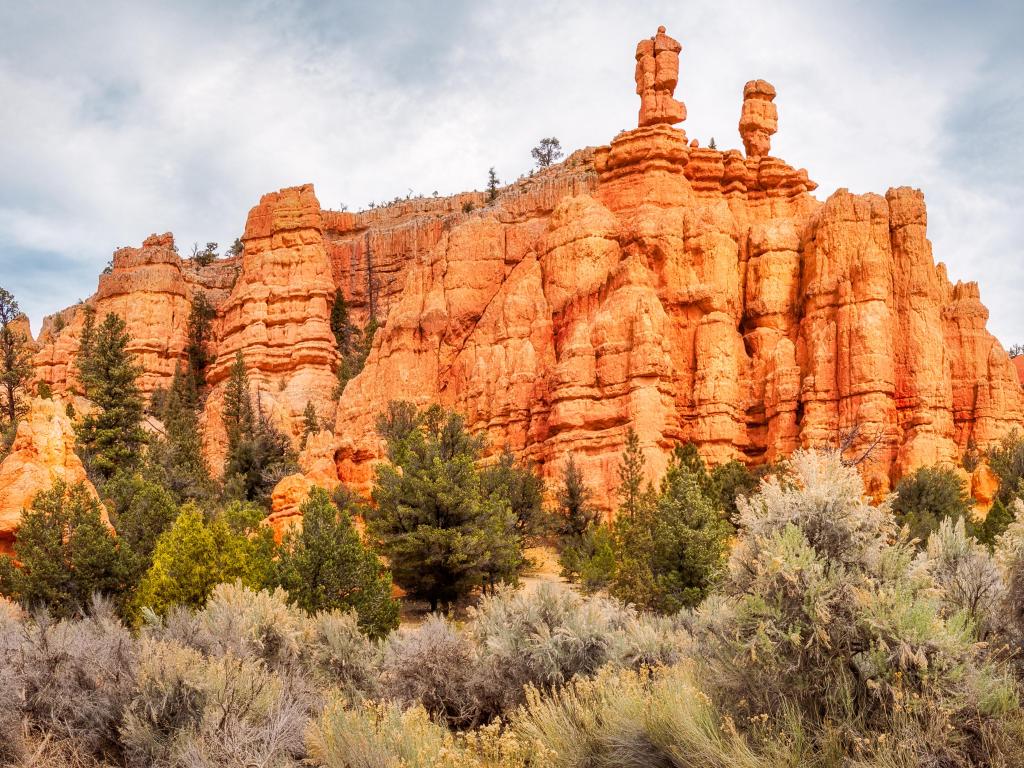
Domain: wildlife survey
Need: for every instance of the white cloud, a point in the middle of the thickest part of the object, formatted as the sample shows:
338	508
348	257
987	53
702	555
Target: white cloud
117	123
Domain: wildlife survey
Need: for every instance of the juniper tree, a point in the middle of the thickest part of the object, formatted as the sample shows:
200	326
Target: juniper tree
15	361
324	565
927	497
111	436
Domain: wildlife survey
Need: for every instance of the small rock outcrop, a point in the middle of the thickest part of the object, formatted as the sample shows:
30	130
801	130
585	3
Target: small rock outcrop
42	453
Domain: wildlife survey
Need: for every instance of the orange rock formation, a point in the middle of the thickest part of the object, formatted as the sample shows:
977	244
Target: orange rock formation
42	453
691	293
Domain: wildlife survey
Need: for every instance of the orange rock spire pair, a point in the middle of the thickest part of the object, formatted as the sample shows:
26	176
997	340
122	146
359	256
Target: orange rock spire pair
657	74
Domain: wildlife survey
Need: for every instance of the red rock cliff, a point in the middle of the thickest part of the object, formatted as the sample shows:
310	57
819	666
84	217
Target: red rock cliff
691	293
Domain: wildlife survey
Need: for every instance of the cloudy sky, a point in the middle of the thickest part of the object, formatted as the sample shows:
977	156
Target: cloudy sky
118	119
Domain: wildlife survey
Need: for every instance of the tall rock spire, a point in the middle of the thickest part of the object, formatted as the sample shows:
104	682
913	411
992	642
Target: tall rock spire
657	73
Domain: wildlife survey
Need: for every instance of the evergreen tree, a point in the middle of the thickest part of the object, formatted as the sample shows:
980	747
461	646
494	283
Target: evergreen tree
669	555
492	185
577	515
441	533
310	422
195	555
631	475
1007	460
521	487
140	510
111	437
927	497
547	152
15	363
346	334
177	456
258	453
200	319
85	341
324	565
66	553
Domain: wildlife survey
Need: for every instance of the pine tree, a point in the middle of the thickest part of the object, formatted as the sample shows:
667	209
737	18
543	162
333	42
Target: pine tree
631	475
670	553
577	514
324	565
310	422
441	533
346	334
258	453
200	319
66	553
238	410
521	487
140	510
15	363
492	185
547	152
177	457
111	437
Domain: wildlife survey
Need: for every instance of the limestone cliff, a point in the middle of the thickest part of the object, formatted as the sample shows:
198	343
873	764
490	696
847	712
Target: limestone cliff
692	293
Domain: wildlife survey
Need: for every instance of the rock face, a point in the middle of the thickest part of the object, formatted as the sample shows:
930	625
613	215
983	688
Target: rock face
691	293
152	289
42	453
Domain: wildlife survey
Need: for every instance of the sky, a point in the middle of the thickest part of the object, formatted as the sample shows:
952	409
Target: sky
120	119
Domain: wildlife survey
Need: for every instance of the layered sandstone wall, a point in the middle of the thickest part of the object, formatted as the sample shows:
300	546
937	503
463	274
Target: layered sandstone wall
687	292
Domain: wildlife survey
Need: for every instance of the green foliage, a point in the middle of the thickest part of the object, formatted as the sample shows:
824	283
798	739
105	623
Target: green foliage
204	256
927	497
1007	461
66	553
523	489
195	555
236	248
441	533
670	552
994	525
176	457
631	476
140	511
577	514
44	390
110	437
200	319
310	422
546	152
354	344
258	454
15	361
324	565
493	182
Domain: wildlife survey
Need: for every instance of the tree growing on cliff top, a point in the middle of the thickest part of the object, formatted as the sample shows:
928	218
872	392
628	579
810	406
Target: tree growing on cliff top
15	362
548	151
111	436
492	185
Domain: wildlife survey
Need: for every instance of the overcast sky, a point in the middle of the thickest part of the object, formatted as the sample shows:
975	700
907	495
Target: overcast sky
119	119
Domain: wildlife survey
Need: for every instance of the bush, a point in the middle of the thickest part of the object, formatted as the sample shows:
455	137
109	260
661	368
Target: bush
1007	461
76	677
825	609
927	497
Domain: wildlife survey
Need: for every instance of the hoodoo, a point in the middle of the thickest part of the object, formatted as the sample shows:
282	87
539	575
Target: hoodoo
694	294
